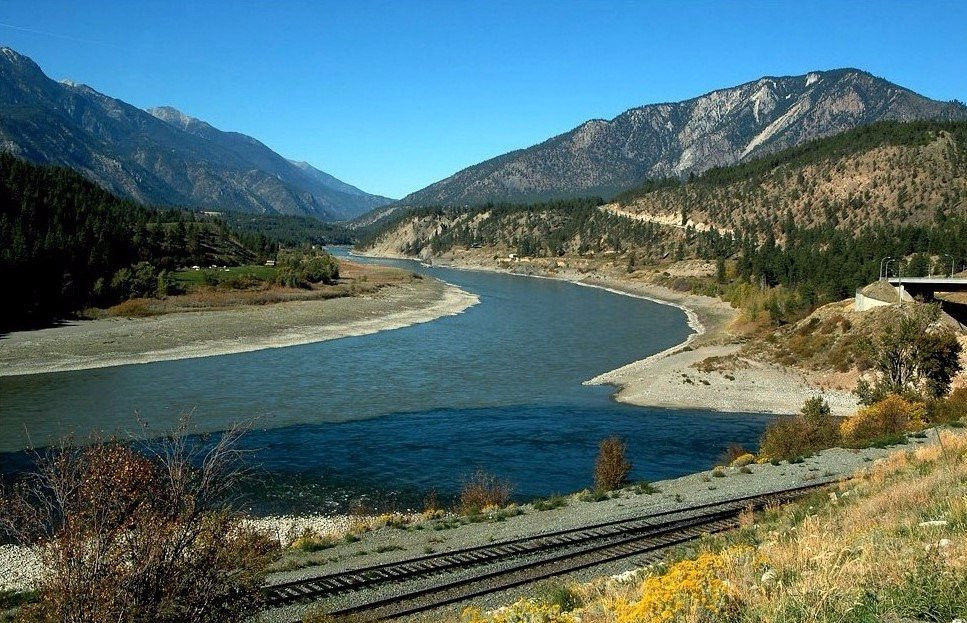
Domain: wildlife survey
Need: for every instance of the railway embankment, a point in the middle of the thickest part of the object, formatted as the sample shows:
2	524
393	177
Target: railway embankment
406	537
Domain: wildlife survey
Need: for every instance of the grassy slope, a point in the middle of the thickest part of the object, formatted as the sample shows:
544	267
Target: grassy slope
890	545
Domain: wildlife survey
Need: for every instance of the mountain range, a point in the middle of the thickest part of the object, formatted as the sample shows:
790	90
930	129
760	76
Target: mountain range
884	181
160	156
721	128
164	157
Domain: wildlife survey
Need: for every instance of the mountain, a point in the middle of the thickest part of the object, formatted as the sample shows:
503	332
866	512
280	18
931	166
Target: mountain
889	181
720	128
908	173
161	157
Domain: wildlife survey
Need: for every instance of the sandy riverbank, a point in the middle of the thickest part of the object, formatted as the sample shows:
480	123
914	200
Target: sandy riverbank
677	378
183	335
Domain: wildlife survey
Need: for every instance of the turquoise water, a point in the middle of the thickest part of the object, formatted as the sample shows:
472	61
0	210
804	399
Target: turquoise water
393	414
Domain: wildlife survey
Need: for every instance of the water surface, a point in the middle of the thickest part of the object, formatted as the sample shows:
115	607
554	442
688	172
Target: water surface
497	387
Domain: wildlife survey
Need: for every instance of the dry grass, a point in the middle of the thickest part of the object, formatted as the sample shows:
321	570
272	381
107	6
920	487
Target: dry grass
890	545
482	492
832	339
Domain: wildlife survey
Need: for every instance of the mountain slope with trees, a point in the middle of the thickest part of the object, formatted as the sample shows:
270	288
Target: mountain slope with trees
904	173
66	244
904	189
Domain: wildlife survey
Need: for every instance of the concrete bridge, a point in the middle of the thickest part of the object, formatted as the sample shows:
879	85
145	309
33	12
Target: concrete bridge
927	286
927	289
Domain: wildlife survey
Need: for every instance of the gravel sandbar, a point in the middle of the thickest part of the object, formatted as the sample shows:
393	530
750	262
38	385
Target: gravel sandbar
120	341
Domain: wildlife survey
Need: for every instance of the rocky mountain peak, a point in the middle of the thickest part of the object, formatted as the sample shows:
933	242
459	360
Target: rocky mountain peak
719	128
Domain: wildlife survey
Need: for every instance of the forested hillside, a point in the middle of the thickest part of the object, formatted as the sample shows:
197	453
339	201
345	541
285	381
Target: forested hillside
288	230
66	244
817	218
161	156
900	173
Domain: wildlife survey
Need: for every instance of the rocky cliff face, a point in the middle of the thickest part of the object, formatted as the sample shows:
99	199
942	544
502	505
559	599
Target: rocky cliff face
162	157
673	140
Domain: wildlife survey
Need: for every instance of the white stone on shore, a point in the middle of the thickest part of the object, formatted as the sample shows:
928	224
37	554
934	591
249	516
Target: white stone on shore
287	528
20	567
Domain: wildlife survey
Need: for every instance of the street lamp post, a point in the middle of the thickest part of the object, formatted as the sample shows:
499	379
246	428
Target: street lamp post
885	259
899	282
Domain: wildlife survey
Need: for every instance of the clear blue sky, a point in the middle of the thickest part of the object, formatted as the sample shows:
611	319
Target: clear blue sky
393	95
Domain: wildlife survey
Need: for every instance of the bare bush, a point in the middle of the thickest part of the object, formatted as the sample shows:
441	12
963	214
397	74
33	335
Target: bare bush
141	536
483	490
734	451
611	469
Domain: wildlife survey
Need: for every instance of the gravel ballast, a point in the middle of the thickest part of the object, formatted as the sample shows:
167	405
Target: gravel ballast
694	489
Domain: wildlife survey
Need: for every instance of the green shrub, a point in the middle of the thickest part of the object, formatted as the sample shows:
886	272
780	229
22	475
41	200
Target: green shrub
300	269
949	409
645	488
789	437
560	595
555	501
312	541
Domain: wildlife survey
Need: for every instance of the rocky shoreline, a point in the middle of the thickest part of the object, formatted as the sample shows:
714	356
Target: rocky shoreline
406	540
414	535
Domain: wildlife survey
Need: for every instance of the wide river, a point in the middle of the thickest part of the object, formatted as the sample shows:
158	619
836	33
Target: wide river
389	416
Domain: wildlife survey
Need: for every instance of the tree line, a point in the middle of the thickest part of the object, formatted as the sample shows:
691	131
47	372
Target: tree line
67	244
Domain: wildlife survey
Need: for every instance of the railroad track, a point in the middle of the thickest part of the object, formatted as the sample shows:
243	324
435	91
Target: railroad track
523	560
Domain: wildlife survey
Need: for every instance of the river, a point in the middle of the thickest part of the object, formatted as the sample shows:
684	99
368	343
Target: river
391	415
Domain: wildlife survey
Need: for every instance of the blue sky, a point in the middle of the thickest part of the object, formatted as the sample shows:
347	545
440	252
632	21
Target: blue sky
393	95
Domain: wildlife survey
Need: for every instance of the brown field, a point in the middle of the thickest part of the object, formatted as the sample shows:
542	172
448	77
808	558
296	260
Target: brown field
355	280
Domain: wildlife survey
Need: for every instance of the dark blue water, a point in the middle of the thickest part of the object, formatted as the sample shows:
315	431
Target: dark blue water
393	414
